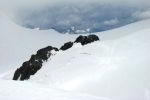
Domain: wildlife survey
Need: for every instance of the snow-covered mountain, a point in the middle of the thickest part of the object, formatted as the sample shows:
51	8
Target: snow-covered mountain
18	43
117	67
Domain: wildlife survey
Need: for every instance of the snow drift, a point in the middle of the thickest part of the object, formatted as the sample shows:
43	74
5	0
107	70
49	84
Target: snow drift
11	90
116	68
18	44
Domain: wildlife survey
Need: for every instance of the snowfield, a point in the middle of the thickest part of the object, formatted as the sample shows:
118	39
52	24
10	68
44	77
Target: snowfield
115	68
11	90
18	47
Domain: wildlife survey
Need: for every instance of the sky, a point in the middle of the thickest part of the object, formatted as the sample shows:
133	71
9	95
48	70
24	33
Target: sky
11	6
15	4
25	11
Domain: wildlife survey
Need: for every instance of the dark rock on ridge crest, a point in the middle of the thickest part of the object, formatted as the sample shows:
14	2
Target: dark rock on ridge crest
86	39
66	46
34	64
30	67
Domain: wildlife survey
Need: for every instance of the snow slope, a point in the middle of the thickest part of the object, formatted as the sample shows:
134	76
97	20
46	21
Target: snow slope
18	43
117	67
11	90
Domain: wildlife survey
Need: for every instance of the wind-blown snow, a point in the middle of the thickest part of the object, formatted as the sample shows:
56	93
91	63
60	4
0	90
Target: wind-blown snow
11	90
18	44
117	67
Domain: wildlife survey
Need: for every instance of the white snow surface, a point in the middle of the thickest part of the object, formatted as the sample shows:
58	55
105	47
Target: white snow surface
18	44
10	90
117	67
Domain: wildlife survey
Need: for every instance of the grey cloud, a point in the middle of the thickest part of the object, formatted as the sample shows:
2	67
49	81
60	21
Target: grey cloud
98	15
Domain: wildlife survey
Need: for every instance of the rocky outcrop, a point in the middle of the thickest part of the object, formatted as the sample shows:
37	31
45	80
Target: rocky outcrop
66	46
45	53
30	67
86	39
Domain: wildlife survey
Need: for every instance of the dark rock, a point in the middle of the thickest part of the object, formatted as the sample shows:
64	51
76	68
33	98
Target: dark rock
23	71
86	39
80	39
45	53
56	49
30	67
93	38
66	46
17	74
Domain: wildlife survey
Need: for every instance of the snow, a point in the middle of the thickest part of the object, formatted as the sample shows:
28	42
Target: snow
11	90
117	67
18	44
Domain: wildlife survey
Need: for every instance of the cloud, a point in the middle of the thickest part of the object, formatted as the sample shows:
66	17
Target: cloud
96	15
9	4
142	14
12	6
112	22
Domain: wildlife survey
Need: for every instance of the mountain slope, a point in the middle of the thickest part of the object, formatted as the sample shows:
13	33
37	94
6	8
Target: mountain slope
117	67
18	43
11	90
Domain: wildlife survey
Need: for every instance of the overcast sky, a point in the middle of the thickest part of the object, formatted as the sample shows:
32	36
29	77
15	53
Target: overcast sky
9	7
18	9
16	4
